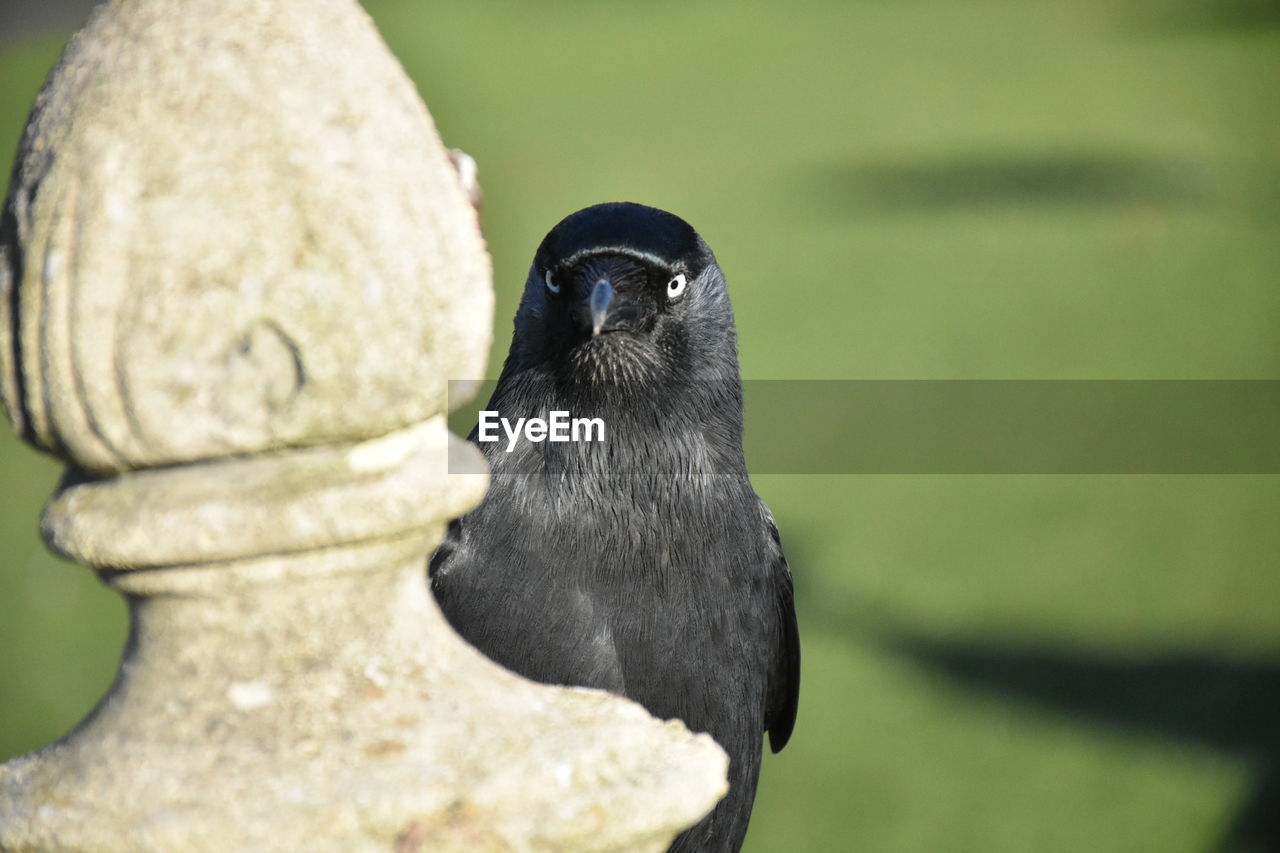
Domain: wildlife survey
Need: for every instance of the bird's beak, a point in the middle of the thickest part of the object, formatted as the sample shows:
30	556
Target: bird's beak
601	296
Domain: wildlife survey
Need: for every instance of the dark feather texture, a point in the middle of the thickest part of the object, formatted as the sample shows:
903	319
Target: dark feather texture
645	564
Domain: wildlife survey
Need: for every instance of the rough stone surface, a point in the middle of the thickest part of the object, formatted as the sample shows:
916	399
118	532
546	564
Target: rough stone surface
237	273
236	230
266	718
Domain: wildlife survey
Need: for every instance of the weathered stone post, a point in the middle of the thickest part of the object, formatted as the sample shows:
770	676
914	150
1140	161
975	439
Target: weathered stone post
237	272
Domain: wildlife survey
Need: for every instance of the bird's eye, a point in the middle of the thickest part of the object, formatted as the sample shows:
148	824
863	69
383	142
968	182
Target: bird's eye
676	286
551	285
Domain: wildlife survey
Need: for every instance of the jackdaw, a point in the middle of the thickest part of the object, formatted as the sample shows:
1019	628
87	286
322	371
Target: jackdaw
644	564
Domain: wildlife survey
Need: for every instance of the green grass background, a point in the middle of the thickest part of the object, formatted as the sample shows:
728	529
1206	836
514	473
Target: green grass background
908	190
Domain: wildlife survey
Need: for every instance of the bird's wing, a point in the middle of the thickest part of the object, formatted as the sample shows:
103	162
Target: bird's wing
443	551
784	666
560	634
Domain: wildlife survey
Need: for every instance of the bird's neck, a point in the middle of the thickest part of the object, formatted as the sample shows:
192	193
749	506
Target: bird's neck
688	429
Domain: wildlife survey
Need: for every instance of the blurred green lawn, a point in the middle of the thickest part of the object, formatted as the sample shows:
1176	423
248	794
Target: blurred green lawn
921	189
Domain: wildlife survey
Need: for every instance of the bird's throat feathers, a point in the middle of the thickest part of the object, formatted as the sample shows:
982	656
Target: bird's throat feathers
669	433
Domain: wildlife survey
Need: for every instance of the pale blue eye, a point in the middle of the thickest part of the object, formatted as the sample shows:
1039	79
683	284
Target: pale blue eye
551	285
676	286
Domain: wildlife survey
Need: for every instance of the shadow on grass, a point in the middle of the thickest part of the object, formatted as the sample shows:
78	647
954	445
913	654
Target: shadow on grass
1232	706
1009	179
1192	15
21	19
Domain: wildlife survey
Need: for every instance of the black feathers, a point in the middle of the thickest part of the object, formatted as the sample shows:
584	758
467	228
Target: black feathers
643	564
626	229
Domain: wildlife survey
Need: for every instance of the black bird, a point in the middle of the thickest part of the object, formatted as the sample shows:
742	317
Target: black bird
644	564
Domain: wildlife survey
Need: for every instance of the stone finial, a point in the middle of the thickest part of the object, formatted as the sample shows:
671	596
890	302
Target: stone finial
237	270
236	231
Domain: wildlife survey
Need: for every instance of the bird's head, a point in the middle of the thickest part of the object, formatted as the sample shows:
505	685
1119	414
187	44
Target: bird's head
625	294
